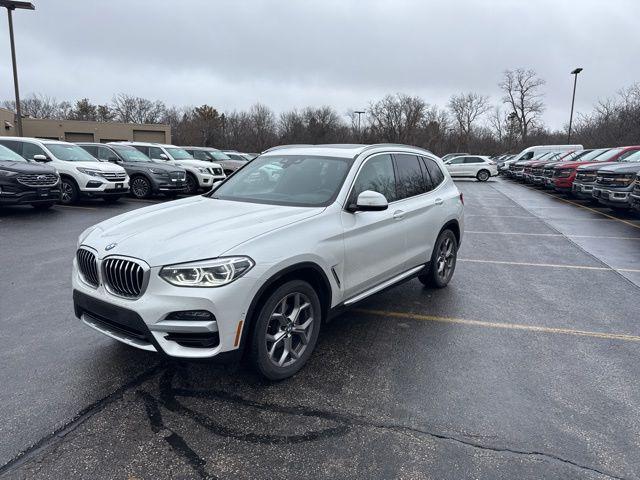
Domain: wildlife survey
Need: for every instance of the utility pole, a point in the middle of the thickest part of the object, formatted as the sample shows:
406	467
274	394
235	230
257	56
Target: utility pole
573	99
359	112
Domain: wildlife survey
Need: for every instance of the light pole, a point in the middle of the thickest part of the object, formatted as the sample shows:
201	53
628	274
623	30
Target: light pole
11	5
573	99
359	112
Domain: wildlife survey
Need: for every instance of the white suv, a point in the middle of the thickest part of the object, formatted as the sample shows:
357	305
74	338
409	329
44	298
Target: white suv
272	252
81	174
200	175
472	166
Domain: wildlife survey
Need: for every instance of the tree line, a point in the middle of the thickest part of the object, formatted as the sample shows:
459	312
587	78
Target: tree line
469	122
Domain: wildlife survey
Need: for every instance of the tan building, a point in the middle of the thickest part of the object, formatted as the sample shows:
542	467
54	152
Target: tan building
84	131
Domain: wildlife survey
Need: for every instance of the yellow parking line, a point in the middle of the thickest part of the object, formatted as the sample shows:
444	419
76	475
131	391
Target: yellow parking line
554	235
552	265
506	326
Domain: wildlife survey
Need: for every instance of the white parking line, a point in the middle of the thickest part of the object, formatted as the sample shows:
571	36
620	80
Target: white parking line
554	235
544	220
549	265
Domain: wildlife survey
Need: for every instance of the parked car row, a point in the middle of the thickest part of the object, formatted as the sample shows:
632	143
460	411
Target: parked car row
42	172
607	176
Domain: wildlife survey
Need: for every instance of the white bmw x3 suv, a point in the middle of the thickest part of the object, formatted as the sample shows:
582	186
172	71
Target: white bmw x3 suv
258	263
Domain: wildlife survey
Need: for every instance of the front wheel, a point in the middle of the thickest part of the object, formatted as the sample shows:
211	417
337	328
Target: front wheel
69	192
443	261
286	330
483	176
140	187
192	184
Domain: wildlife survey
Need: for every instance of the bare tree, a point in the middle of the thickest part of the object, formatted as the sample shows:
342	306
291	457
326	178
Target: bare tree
37	106
466	109
523	96
129	108
396	118
84	110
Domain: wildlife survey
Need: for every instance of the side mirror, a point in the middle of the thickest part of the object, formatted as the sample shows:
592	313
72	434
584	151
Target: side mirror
164	156
216	184
370	201
41	158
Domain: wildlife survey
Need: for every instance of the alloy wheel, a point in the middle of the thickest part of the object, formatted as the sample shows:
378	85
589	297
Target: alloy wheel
289	329
140	187
66	192
483	176
446	258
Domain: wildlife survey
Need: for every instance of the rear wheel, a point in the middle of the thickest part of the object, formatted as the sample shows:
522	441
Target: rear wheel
140	187
43	206
192	184
69	191
483	175
286	330
443	261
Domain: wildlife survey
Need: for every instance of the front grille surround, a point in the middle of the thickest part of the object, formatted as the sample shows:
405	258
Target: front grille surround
88	267
38	179
124	277
114	176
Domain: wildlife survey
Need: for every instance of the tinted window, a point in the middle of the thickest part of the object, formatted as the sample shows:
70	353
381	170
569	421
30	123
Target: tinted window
410	180
377	175
456	161
93	150
105	153
154	152
473	160
142	149
30	149
199	154
436	175
12	145
527	156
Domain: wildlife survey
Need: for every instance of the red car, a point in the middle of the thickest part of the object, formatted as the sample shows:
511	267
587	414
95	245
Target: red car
565	173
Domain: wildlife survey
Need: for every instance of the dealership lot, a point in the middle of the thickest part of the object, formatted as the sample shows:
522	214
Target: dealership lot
523	367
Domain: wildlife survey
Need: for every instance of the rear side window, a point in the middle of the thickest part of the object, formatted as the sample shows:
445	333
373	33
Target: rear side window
30	149
410	180
457	160
199	154
377	175
527	156
473	160
435	174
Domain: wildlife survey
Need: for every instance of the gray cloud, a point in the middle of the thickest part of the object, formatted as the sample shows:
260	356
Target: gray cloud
343	53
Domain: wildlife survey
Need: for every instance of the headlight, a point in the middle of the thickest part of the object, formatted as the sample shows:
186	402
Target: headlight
203	170
565	172
207	273
7	173
156	171
88	171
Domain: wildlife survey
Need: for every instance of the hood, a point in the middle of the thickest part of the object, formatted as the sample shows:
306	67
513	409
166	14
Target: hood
26	167
165	166
622	167
191	229
102	166
592	167
195	163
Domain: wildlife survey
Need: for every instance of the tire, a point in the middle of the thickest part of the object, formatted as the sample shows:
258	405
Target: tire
483	175
277	320
140	187
68	191
112	199
192	184
442	264
43	206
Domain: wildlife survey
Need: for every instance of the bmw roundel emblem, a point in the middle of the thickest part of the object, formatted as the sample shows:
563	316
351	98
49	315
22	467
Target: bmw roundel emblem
111	246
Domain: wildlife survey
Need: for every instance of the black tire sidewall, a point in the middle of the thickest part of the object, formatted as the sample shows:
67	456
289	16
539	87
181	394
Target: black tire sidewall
147	194
192	184
258	352
432	278
479	176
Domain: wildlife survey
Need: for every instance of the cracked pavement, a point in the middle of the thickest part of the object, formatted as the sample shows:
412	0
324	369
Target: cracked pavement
384	396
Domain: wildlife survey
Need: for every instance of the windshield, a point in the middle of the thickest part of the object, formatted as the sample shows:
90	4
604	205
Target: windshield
609	154
216	155
632	157
9	155
131	154
179	153
236	156
297	180
593	154
70	153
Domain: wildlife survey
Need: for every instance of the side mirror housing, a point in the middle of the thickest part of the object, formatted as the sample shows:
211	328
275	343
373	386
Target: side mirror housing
164	156
41	158
216	184
370	201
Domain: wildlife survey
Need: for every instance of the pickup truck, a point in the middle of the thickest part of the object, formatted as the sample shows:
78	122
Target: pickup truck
586	175
614	185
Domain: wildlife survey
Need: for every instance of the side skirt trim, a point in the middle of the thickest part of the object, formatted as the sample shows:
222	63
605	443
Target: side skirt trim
383	285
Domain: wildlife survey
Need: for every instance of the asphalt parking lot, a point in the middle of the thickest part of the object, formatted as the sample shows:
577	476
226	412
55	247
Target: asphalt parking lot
524	367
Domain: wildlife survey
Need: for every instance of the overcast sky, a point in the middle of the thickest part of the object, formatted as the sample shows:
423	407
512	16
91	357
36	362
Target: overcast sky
344	53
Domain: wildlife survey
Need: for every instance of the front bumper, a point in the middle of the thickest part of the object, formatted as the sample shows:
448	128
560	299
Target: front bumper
19	194
582	190
615	197
206	180
634	201
91	186
143	323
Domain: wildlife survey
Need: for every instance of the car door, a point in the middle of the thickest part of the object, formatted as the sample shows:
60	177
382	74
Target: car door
472	165
421	207
374	241
456	166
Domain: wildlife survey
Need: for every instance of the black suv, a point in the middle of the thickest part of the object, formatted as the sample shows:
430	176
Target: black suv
27	182
147	176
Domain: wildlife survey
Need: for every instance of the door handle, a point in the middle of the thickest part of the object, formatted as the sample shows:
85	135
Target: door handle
398	215
439	201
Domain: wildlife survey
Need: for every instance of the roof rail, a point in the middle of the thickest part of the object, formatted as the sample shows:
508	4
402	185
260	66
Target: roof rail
379	145
293	145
